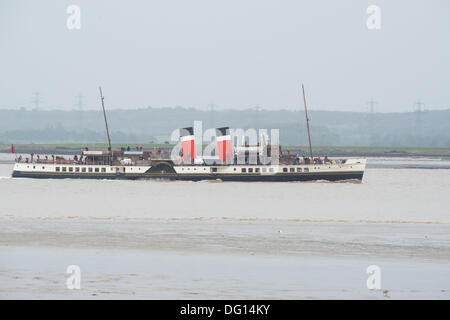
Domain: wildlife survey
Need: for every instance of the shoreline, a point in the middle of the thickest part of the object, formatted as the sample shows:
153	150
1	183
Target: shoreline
423	242
344	151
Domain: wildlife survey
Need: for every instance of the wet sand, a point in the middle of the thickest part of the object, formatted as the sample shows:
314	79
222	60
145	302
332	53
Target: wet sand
222	260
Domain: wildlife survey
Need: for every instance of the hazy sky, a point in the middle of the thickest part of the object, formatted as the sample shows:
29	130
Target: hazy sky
233	53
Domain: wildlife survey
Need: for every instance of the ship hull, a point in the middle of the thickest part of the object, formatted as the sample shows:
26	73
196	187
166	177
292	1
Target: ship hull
279	177
352	169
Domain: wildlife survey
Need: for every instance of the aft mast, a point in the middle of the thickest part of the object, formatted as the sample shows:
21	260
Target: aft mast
106	121
307	124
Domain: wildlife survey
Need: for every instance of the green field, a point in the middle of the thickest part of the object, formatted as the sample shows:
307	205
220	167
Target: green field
54	146
378	151
320	150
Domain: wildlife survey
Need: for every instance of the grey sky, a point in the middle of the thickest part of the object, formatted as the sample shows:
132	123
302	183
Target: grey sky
233	53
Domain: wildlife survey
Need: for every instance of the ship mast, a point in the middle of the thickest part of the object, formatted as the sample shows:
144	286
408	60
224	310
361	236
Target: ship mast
106	121
307	124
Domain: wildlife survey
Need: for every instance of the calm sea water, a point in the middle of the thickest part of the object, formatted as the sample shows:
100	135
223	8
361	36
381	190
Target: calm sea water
159	239
386	194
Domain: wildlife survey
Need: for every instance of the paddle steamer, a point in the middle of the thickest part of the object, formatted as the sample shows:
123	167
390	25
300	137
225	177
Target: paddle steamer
232	163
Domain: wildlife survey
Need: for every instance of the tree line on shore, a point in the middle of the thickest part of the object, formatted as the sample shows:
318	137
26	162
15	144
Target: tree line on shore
154	125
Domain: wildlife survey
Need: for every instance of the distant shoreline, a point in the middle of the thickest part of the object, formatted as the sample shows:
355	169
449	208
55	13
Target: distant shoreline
427	129
75	148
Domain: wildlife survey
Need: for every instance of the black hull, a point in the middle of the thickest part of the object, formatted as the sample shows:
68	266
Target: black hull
280	177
